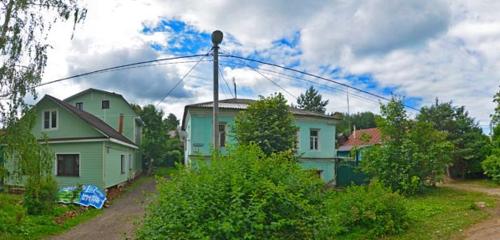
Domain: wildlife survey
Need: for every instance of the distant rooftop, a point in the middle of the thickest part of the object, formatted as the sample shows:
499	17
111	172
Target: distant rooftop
356	139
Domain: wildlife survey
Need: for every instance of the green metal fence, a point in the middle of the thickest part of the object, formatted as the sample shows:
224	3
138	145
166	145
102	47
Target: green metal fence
349	173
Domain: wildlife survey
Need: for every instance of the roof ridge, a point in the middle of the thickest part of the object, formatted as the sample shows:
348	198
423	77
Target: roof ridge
106	129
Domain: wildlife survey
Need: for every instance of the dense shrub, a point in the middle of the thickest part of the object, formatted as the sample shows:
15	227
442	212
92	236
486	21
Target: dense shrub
40	197
491	167
370	211
242	195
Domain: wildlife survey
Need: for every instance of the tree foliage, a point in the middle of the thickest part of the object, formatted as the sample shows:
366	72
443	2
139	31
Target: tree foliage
412	154
248	194
471	146
491	165
32	165
268	123
157	144
361	120
495	117
311	100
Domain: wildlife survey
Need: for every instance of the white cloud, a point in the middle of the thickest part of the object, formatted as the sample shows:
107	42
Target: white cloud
447	49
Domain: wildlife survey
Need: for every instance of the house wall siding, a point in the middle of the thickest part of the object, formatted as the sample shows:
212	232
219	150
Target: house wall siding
112	164
92	101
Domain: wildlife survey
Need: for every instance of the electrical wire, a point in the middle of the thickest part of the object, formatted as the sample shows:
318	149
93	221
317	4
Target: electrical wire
312	75
182	78
227	84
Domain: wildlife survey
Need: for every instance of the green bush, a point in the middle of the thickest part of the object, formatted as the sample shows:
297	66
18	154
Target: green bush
40	197
491	167
242	195
368	211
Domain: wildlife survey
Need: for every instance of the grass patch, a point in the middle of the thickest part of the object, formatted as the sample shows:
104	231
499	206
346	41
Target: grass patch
487	183
443	212
15	223
165	171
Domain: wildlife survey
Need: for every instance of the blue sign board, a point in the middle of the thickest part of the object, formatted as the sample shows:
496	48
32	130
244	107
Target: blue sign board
92	196
89	195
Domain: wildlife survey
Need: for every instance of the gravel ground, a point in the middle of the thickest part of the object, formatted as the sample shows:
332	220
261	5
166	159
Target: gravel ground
119	221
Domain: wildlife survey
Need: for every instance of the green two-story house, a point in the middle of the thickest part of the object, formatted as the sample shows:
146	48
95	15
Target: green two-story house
316	135
94	136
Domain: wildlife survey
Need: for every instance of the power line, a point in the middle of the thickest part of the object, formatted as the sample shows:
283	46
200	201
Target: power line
269	79
227	84
119	67
311	75
182	78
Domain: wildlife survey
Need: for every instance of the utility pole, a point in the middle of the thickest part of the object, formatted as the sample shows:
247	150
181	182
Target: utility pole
348	112
216	40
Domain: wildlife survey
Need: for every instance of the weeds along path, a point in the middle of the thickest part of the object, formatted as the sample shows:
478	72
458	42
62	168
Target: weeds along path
488	229
119	221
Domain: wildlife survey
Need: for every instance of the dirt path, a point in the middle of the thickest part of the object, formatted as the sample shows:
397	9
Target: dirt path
117	221
486	230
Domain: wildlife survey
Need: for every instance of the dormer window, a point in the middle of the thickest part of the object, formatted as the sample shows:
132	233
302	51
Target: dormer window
79	105
105	104
50	119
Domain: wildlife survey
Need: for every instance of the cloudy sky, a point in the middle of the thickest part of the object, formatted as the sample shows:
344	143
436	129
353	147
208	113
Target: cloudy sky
417	49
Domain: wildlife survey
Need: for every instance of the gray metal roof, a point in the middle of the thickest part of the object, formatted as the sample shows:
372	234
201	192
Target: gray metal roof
242	104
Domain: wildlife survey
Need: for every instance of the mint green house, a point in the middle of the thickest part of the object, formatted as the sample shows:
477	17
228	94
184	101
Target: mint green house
316	144
94	136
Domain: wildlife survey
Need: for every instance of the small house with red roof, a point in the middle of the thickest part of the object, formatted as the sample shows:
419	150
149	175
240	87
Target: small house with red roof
357	141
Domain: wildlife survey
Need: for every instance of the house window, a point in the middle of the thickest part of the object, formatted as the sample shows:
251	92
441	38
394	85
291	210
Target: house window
79	105
222	134
122	164
68	165
314	139
105	104
50	119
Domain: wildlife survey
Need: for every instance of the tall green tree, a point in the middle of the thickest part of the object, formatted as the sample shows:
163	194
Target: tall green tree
495	117
171	122
157	144
268	123
361	120
412	155
471	146
311	100
24	29
491	165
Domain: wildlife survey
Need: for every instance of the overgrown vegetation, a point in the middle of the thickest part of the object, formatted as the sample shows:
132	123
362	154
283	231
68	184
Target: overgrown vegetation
31	165
249	194
157	145
470	145
412	154
362	120
491	165
17	224
312	101
267	123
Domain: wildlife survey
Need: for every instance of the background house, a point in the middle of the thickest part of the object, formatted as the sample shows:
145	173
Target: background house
316	144
94	136
358	141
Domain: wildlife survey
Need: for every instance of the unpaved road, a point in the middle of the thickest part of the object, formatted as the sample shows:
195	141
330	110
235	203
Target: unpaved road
486	230
119	220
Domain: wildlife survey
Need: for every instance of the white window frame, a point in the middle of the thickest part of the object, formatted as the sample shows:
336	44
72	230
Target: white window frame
68	153
123	163
317	138
50	111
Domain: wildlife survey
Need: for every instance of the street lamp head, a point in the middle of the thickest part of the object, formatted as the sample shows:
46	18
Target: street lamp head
217	36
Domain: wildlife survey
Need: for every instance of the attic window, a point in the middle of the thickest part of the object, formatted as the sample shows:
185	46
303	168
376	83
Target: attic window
79	105
50	119
105	104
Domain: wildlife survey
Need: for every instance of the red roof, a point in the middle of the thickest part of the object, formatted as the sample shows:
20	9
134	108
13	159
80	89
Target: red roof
358	138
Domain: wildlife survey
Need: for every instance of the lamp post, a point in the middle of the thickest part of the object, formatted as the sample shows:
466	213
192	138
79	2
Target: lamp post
216	40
